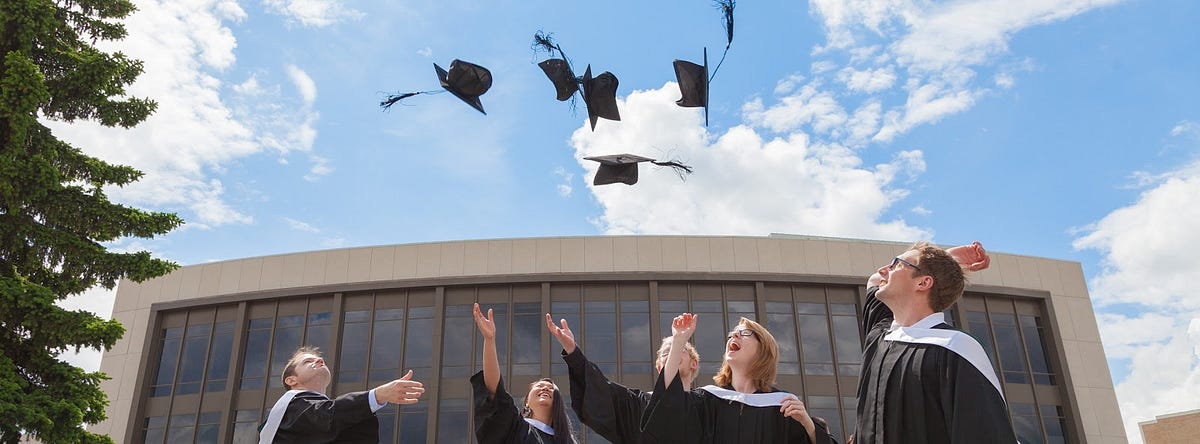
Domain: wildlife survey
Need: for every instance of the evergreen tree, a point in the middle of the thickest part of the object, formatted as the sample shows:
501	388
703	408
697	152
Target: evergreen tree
54	215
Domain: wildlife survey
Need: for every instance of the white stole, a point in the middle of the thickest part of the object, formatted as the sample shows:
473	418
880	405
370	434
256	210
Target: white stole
956	341
267	434
750	399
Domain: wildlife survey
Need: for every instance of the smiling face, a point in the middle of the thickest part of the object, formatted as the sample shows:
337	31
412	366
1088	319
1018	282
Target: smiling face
541	398
741	346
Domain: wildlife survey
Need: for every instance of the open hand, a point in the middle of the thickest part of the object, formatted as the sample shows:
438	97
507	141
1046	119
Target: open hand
487	326
400	391
683	326
562	334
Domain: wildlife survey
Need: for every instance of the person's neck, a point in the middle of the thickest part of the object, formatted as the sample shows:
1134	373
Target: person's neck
909	312
743	383
320	390
543	416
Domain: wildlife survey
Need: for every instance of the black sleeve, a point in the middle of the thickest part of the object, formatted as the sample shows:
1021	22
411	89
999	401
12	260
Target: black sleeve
822	432
611	410
496	417
312	414
975	411
673	415
874	312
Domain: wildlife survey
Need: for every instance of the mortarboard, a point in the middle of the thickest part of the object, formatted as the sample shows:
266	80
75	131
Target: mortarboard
600	96
465	80
623	168
599	92
693	78
693	83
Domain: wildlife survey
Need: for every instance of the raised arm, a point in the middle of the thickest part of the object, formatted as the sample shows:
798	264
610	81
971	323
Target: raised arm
971	257
491	363
682	328
563	334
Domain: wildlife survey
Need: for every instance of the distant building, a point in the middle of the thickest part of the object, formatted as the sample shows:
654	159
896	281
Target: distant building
205	344
1175	428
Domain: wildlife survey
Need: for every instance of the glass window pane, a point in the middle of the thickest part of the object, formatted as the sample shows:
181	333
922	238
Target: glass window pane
600	336
165	379
413	422
1035	345
977	326
452	416
385	351
709	341
635	306
191	366
847	343
1026	423
817	350
456	346
418	346
784	328
218	358
636	344
1012	354
387	423
815	308
288	333
353	359
245	429
319	330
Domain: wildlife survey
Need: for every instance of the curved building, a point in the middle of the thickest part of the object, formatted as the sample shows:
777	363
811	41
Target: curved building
206	344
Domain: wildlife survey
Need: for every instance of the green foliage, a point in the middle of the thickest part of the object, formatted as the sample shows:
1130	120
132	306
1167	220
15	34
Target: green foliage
54	215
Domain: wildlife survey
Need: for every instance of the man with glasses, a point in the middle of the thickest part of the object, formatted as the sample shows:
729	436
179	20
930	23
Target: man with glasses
922	380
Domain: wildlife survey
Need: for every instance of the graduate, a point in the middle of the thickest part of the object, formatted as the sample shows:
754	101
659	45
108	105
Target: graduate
305	415
924	381
742	407
610	409
543	420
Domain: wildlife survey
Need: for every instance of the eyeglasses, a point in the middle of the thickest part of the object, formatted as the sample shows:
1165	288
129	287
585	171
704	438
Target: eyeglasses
897	260
742	333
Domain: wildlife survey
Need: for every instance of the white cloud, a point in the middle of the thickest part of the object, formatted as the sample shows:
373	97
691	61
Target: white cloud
1148	262
1005	80
304	84
809	106
1186	128
425	52
315	13
320	168
921	210
249	88
97	300
301	226
564	188
743	183
867	80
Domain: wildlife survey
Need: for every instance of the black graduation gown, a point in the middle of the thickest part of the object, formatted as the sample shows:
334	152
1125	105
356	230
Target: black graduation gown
677	416
610	409
923	393
314	418
497	420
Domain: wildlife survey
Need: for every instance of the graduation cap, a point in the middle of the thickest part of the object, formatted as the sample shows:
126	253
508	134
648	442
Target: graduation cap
693	78
599	92
600	96
623	168
465	80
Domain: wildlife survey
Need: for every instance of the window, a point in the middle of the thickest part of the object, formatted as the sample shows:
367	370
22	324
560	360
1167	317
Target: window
209	429
847	342
258	344
1012	354
452	418
827	407
191	367
1026	423
1035	345
356	330
245	426
218	357
155	430
814	338
456	344
637	348
386	338
182	428
288	332
782	324
527	338
163	382
413	421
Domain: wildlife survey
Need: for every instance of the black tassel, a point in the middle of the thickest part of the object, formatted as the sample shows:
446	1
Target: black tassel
545	42
680	169
726	7
393	99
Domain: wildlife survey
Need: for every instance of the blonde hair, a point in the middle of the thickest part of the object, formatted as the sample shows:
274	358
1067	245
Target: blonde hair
687	348
763	370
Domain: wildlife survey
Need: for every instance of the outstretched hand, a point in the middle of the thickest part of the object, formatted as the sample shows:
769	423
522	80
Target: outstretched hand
400	391
562	334
971	257
683	326
487	326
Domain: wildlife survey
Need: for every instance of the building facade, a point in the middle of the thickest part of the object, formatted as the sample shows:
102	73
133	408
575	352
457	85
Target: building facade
206	344
1174	428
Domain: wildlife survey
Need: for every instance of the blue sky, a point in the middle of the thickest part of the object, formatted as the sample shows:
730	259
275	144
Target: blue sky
1061	128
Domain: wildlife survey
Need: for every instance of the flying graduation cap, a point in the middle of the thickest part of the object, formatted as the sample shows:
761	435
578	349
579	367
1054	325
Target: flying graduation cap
599	92
693	78
623	168
465	80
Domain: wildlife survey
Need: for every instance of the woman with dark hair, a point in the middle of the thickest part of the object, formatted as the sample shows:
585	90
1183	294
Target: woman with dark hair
543	420
743	406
